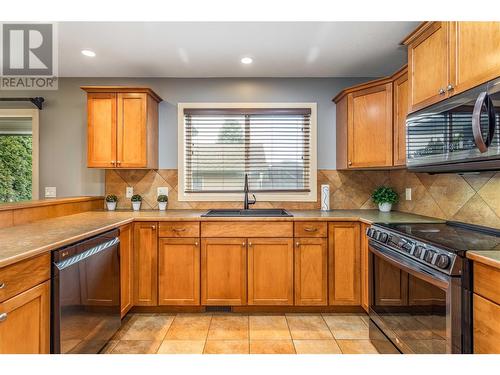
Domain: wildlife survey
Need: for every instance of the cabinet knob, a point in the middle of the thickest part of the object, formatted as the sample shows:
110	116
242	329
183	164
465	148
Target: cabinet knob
250	244
196	243
441	91
297	244
243	243
118	162
153	226
2	285
349	162
450	87
113	162
3	317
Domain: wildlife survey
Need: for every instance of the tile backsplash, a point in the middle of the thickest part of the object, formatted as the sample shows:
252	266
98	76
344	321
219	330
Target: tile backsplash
473	198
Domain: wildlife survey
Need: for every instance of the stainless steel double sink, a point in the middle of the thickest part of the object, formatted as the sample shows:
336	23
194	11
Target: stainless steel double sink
263	212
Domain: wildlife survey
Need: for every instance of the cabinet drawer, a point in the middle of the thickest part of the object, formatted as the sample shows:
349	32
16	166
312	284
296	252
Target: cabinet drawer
232	229
310	229
179	229
23	275
486	281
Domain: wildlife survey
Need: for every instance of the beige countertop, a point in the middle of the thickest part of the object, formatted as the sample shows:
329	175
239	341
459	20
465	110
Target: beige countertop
28	240
490	258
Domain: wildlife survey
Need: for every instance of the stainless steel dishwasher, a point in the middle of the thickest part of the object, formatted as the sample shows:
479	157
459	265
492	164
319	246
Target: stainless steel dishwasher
85	294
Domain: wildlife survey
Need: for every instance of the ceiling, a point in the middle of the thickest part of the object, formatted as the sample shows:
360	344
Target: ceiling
214	49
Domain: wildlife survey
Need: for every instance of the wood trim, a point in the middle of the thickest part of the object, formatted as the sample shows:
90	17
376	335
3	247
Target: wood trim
399	129
126	268
247	229
485	259
416	33
122	89
46	202
363	86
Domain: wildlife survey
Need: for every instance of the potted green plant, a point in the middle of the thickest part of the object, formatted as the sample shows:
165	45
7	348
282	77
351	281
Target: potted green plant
385	197
111	200
136	202
162	202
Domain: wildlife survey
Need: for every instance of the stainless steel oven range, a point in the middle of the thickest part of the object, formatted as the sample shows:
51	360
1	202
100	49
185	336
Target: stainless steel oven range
420	285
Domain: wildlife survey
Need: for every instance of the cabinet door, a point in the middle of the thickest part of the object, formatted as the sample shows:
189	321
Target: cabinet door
25	322
370	127
270	271
223	271
400	111
486	323
101	132
364	253
428	65
179	271
126	269
311	272
132	130
145	264
475	55
344	263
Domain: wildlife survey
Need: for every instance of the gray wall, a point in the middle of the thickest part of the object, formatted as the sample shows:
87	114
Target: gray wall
63	119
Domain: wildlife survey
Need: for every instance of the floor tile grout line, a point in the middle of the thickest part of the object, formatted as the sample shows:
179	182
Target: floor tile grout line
290	332
208	330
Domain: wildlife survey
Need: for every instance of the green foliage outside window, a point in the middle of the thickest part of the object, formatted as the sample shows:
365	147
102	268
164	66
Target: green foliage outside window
15	167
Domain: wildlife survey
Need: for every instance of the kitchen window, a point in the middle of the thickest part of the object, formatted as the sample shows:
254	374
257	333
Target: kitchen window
275	144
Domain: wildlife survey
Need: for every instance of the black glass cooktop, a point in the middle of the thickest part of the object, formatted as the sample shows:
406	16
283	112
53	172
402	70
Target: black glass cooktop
455	236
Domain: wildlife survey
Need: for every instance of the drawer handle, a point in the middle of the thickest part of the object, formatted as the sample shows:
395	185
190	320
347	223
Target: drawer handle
309	229
3	317
2	285
179	229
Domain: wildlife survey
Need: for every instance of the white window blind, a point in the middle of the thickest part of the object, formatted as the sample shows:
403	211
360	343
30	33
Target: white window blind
271	145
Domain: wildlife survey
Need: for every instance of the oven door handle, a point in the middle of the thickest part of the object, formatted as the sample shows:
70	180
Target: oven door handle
483	101
412	267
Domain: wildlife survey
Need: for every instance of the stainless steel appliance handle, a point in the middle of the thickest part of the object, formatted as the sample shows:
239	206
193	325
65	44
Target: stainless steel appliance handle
87	253
412	267
483	100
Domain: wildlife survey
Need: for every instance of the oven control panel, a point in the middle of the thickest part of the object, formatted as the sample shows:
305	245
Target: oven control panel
440	259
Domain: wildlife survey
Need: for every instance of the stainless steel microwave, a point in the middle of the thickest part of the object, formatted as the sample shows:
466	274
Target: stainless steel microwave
459	134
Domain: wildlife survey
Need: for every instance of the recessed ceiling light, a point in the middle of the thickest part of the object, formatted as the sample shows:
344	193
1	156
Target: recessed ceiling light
88	53
246	60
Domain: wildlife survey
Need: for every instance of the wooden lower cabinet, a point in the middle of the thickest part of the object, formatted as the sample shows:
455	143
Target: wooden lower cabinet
224	271
311	272
178	271
344	263
25	322
486	326
126	268
270	271
145	264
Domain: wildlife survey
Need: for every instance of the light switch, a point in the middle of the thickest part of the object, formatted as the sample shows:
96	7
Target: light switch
162	191
129	191
50	192
408	194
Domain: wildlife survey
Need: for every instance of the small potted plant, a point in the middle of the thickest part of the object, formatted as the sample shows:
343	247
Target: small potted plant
136	202
111	200
385	197
162	202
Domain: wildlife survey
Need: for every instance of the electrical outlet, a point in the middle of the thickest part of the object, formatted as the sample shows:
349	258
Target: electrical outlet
50	192
162	191
408	194
129	191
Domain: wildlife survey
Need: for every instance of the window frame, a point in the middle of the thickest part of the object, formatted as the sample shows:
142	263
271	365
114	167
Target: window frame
310	196
35	148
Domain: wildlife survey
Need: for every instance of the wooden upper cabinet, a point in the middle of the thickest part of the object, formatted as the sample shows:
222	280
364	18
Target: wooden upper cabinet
311	272
344	263
223	271
270	271
179	271
428	65
122	127
145	264
400	111
25	324
475	53
364	126
446	58
101	130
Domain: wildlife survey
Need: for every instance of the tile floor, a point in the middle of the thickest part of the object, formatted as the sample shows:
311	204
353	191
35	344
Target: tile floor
242	334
